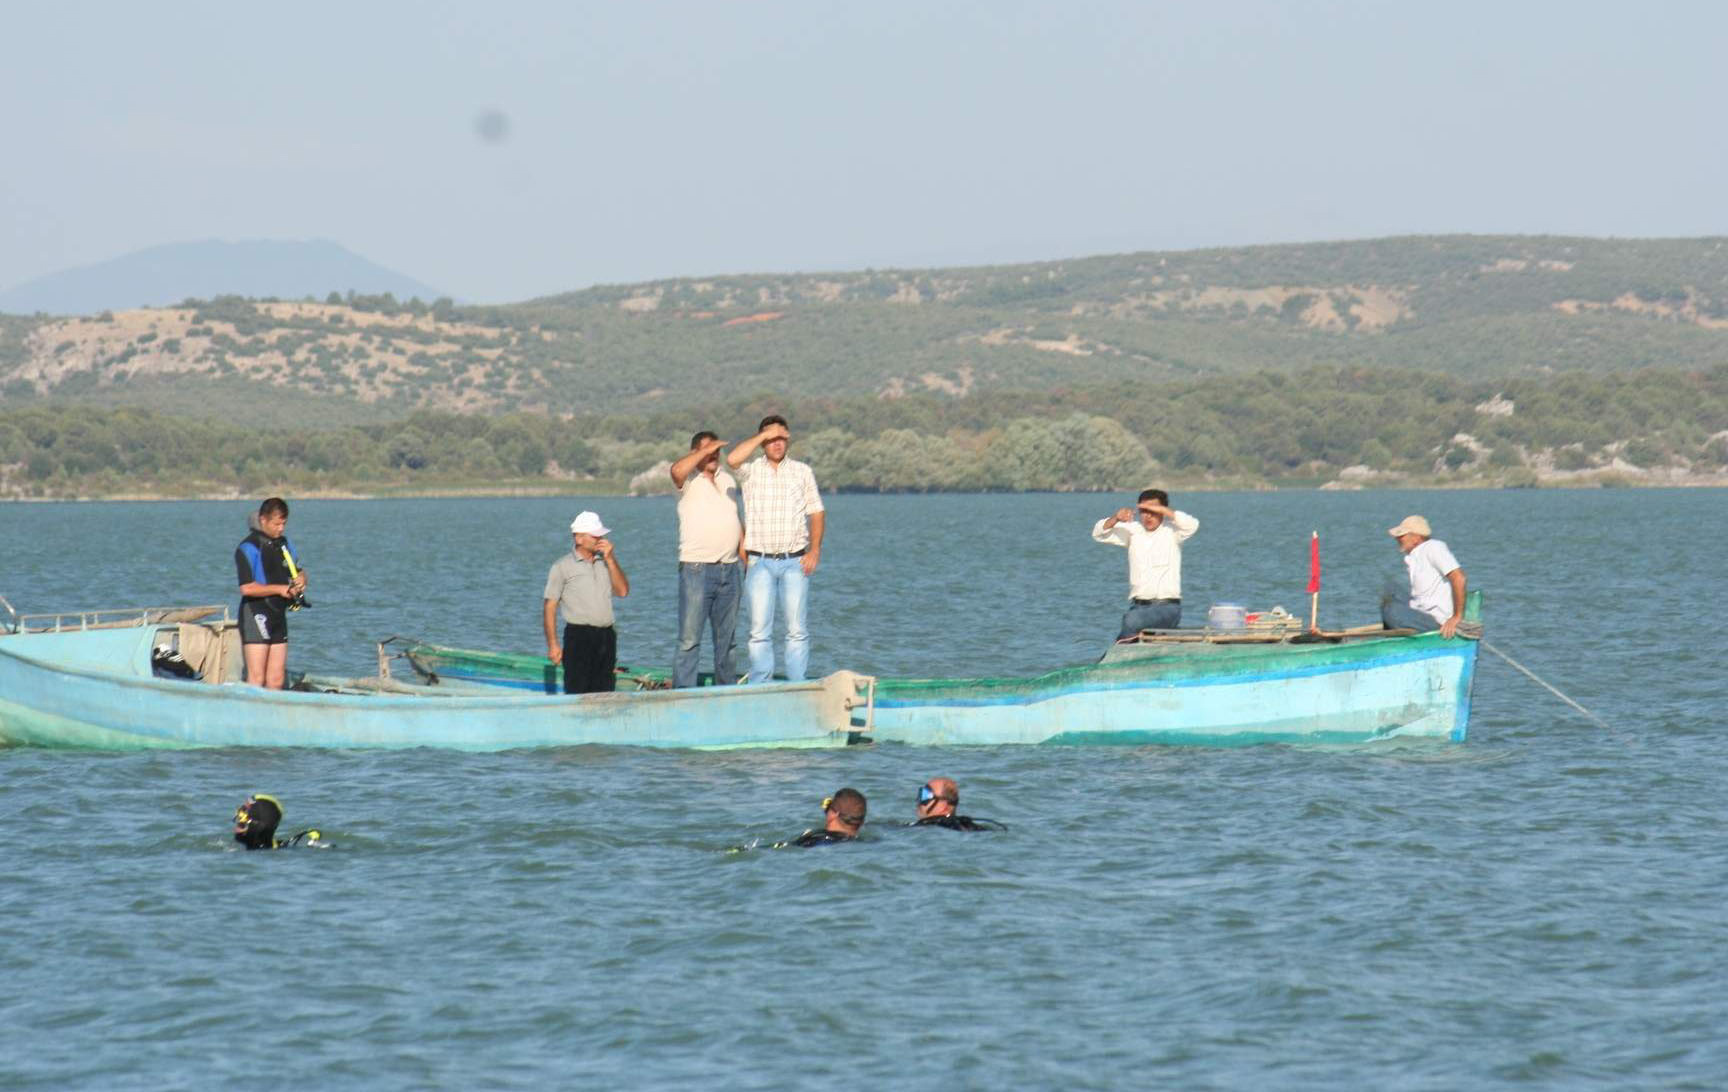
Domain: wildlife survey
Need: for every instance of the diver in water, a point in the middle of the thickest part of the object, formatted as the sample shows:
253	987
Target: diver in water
843	813
255	824
937	799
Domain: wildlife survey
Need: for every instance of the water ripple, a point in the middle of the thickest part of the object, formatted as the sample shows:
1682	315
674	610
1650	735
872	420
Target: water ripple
1541	906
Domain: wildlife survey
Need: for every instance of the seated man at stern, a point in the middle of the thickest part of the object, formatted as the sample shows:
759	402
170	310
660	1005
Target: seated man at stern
1437	584
1153	534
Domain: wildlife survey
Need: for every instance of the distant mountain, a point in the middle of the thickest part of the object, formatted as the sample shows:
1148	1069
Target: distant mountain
161	275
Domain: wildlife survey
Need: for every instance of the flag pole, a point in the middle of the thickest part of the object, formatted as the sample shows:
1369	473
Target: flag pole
1314	582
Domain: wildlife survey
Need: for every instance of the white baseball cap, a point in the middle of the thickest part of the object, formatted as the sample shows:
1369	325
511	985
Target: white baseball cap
588	523
1412	525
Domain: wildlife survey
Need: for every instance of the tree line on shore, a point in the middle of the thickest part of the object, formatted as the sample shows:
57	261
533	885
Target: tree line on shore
1263	428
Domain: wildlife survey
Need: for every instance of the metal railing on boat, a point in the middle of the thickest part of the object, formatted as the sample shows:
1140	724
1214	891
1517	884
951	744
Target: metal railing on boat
1286	635
65	621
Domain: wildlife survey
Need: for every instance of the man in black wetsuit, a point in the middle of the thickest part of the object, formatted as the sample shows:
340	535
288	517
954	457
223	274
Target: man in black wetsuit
270	585
255	824
843	813
937	799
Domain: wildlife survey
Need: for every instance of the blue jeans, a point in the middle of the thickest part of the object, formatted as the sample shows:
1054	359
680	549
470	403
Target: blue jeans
783	577
1163	614
1399	614
707	592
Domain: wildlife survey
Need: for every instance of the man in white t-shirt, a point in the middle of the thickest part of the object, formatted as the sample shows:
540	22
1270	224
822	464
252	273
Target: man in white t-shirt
710	576
1153	533
1437	584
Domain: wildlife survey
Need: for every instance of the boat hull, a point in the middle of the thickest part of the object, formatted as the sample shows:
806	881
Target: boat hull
1201	693
95	689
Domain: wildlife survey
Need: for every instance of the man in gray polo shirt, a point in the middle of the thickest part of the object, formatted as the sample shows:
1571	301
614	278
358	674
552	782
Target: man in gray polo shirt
580	588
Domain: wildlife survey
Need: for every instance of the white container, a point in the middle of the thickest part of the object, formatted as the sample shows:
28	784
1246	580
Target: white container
1227	616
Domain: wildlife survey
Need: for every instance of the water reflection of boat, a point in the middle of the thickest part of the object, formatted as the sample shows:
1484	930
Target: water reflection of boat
168	678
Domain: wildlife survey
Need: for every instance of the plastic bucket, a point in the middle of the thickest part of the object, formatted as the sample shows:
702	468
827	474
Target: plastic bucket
1227	616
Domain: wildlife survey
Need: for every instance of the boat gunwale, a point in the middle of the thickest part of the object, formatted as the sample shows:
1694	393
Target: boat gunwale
477	701
1232	662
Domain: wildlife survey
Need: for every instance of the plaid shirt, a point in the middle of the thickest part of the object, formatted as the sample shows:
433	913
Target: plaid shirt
777	504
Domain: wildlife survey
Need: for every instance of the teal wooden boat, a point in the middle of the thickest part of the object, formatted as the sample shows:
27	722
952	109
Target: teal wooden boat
1270	682
1203	689
93	680
1264	684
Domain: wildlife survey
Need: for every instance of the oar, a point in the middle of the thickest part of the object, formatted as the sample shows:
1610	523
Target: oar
1549	686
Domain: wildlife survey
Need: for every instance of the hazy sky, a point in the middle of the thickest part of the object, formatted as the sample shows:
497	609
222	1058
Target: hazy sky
645	139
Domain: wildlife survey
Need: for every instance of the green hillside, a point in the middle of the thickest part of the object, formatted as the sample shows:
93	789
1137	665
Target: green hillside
1465	360
1473	307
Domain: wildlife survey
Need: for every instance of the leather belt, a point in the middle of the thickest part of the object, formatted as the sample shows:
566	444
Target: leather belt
779	557
1149	602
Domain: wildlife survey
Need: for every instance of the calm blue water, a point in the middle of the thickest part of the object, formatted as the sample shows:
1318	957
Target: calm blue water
1539	907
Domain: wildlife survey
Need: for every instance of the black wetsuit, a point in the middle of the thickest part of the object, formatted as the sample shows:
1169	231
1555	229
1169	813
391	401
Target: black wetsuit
960	822
259	560
308	837
822	838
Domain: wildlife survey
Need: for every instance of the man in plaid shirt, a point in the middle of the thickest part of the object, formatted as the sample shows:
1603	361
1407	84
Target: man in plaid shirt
783	519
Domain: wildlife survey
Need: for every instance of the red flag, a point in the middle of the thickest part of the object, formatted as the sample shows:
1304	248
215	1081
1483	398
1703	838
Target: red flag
1314	564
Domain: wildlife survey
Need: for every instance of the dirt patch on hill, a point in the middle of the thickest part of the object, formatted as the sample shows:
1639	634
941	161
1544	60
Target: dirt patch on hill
1073	344
1368	306
326	347
959	386
1691	309
1521	265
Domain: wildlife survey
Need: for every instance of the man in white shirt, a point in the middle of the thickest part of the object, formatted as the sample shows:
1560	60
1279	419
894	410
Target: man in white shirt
783	523
1437	584
1153	534
710	577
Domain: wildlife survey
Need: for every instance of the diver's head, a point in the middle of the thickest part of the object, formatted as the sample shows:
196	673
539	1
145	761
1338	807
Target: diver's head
937	797
256	820
844	812
272	517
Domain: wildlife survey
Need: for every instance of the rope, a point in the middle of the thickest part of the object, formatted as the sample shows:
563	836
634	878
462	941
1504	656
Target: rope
1550	687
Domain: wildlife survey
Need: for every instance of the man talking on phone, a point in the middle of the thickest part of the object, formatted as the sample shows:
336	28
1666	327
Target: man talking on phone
579	589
